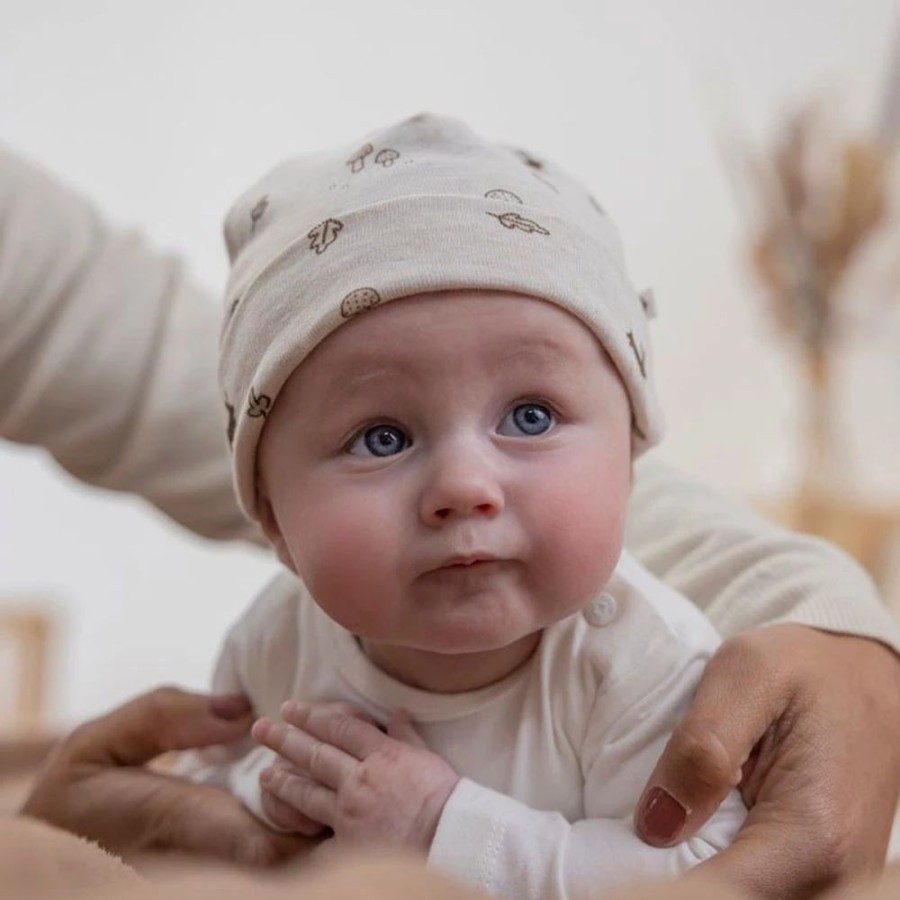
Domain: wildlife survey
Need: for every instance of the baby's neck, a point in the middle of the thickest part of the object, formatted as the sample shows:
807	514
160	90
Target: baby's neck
444	673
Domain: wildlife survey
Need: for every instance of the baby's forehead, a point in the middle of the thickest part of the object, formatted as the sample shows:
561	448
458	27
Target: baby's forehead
440	336
490	320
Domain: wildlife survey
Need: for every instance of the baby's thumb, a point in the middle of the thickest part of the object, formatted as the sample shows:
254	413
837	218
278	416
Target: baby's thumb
401	728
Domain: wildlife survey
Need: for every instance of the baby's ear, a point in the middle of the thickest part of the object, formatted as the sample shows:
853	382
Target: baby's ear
272	530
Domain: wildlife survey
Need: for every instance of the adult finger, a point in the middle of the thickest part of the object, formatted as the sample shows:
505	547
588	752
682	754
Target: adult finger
125	808
154	723
735	703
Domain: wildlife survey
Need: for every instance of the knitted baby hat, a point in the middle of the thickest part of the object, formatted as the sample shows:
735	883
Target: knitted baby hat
424	205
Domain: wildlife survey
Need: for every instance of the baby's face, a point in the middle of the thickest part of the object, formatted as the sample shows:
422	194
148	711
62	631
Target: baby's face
449	474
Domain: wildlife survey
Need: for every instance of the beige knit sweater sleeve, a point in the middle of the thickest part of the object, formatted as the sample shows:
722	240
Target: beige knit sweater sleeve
743	571
108	356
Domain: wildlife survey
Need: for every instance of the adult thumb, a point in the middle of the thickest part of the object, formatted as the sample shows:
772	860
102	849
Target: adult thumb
704	758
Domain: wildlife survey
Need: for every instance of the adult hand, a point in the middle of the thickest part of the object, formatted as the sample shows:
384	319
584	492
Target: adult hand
95	783
807	723
367	786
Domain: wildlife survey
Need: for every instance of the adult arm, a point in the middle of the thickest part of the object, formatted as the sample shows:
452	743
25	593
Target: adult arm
744	571
108	356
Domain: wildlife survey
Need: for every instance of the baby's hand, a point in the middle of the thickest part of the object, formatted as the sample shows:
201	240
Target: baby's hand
343	772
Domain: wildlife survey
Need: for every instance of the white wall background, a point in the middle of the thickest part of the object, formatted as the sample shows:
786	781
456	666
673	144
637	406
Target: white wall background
163	111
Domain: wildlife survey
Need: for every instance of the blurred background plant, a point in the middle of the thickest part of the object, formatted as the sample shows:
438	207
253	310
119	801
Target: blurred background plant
821	194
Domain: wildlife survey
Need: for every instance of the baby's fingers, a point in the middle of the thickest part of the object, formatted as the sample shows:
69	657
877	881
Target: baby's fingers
285	817
304	796
354	734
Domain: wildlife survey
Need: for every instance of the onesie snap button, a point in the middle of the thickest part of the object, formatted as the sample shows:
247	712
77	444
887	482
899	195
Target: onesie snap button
601	610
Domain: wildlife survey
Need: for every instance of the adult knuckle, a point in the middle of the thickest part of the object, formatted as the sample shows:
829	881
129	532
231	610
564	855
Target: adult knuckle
698	754
835	846
161	699
747	655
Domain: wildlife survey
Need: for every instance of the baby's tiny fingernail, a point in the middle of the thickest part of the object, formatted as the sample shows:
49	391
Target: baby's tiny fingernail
229	706
261	729
661	817
265	776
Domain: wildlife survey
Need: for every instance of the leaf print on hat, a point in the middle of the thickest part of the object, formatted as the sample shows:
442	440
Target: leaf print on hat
232	422
386	157
640	355
514	220
323	235
258	211
529	160
359	301
259	405
358	161
648	302
500	194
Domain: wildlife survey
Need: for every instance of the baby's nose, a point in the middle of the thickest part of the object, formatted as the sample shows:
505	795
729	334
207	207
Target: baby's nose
461	489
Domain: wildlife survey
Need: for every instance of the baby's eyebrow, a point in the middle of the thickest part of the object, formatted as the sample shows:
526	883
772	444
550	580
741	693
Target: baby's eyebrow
361	372
542	351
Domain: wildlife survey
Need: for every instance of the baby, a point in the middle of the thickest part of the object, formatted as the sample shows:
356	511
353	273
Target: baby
437	377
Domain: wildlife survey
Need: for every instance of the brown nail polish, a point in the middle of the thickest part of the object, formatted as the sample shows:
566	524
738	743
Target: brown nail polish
229	706
661	817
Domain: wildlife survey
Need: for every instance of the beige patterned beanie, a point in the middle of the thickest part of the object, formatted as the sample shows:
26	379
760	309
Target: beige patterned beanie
425	205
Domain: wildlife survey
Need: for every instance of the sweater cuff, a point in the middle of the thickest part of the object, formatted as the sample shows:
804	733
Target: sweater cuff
867	620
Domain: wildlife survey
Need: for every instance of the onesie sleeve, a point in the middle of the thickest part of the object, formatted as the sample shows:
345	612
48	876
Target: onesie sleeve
510	849
108	356
742	570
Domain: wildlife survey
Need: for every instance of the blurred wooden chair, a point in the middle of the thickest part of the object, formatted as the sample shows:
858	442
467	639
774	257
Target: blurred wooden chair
25	628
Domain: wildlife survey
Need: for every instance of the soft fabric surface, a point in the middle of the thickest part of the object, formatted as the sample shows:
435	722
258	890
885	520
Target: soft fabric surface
37	861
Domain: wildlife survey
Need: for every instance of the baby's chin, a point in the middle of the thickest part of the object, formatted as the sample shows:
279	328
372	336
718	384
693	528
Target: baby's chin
455	666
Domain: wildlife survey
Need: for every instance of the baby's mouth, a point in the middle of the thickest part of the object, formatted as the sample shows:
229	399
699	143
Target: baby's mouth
468	560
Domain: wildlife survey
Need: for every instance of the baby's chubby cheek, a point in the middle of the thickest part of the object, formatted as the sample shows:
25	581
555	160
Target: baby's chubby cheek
579	529
347	561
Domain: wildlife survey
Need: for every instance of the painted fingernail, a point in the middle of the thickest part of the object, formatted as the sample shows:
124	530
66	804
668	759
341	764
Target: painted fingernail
661	817
229	706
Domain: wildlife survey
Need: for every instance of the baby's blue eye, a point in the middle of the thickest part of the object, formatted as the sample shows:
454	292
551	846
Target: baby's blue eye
382	440
527	418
